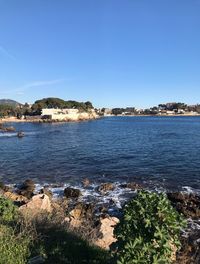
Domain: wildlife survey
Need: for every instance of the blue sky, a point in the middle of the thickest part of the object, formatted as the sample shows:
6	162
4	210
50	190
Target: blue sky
111	52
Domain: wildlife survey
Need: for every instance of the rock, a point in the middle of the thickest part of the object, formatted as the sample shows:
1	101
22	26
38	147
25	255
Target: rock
187	204
105	187
71	192
131	185
106	229
86	182
2	185
81	213
38	203
8	129
46	191
82	210
27	188
190	250
5	188
17	198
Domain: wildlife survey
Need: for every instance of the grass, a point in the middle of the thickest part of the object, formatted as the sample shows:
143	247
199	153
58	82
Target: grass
22	239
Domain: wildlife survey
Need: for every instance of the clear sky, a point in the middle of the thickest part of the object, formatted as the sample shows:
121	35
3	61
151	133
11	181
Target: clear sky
111	52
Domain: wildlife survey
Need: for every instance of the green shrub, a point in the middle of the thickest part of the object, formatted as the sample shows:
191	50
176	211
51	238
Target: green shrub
15	237
149	230
14	246
7	210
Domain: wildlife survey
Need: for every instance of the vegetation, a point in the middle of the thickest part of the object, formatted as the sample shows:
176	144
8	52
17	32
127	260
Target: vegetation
15	238
12	108
149	230
147	233
9	102
7	210
22	240
59	103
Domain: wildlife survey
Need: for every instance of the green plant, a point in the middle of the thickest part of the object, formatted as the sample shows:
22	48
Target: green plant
149	230
7	210
14	245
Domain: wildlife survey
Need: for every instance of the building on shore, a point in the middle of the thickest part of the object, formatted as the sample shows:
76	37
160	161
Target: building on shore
72	114
59	114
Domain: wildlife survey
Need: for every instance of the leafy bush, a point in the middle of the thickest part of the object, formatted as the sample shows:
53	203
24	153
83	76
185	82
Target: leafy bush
14	245
15	237
149	231
7	210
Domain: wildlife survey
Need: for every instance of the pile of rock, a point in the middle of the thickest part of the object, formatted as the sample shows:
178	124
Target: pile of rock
27	189
187	204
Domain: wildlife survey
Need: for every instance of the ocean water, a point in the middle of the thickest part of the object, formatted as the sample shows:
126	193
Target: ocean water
159	152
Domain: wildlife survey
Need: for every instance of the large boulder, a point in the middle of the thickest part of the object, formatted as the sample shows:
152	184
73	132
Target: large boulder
106	187
106	229
38	203
72	192
185	203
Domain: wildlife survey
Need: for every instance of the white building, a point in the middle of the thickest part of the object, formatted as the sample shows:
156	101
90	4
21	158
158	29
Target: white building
59	114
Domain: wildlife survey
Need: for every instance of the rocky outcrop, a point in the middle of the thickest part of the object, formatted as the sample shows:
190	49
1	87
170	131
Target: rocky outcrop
82	212
190	250
5	188
16	198
72	192
187	204
46	191
6	129
105	187
37	204
27	189
106	228
131	185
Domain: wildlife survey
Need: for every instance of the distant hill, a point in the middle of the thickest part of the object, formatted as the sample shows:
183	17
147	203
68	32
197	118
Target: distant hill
9	102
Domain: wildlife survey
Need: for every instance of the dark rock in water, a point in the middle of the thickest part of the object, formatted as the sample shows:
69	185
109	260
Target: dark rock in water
7	129
5	188
71	192
105	187
187	204
20	134
132	186
27	189
86	182
2	185
46	191
55	185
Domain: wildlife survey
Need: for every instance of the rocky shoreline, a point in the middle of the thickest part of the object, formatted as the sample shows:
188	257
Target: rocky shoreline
99	219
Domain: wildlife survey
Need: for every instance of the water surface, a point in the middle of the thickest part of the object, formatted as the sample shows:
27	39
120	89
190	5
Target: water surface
157	151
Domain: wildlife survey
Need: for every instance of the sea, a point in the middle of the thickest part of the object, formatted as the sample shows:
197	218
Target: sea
160	153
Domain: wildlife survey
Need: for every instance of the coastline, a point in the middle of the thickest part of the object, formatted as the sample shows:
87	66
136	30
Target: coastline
70	119
90	215
180	115
84	118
